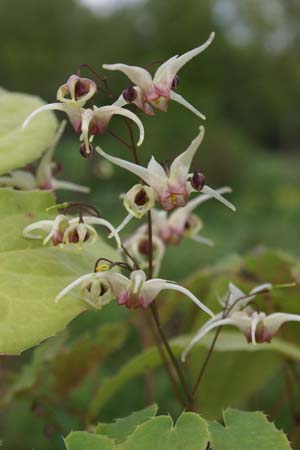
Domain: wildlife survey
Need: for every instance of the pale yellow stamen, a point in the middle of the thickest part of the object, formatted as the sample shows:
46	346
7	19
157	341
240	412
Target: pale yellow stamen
173	198
102	268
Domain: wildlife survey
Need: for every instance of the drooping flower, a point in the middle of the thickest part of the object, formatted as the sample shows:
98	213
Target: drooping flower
133	292
86	122
96	293
171	187
181	222
64	231
156	92
76	90
43	178
256	326
139	200
138	246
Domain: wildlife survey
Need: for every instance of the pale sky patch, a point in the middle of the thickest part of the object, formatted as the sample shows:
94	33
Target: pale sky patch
107	6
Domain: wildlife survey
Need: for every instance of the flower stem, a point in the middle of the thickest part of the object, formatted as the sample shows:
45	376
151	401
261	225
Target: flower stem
169	350
150	246
153	308
204	365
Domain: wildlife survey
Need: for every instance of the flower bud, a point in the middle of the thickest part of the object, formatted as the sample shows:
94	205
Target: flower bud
139	200
129	94
83	151
197	181
175	83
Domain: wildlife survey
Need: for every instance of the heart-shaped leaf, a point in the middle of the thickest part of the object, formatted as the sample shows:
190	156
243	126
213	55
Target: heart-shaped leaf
159	433
246	431
31	275
19	147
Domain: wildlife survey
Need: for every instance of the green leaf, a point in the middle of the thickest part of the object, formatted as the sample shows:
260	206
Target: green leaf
190	432
31	275
271	265
246	431
122	428
159	433
262	359
82	440
19	147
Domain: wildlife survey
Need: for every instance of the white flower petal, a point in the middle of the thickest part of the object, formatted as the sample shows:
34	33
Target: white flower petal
55	226
67	185
255	319
51	106
123	224
109	111
201	198
180	167
140	171
261	288
43	225
120	102
203	240
208	190
203	331
178	63
137	75
72	285
98	221
177	287
274	321
179	99
156	169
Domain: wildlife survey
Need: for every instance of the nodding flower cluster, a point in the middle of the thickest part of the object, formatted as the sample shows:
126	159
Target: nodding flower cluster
170	188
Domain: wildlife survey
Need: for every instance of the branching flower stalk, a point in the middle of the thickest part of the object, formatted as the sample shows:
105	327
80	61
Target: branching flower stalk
170	187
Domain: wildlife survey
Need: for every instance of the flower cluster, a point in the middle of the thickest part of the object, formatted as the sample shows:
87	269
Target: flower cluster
133	292
257	326
87	122
167	194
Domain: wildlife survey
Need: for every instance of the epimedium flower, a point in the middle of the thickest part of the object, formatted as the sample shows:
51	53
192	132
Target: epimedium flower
156	92
87	122
172	187
96	293
139	200
138	247
64	231
43	177
182	223
77	90
257	327
133	292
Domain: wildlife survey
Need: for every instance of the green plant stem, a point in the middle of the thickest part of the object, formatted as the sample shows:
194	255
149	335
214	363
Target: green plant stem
166	361
204	365
169	350
153	308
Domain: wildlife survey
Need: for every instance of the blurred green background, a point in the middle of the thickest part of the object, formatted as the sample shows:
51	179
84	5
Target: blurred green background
247	83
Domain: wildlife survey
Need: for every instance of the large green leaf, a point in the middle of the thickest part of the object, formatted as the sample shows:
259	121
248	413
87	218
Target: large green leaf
31	275
189	433
236	370
19	147
246	431
122	428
